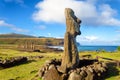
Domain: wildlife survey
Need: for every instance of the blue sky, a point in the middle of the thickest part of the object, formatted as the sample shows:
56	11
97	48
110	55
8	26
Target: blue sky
100	19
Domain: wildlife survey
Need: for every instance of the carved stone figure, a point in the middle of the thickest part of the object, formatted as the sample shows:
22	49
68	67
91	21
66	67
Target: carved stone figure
70	58
69	68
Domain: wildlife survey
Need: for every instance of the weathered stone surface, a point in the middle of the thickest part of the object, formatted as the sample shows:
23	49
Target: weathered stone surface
64	76
90	74
41	73
52	74
94	71
70	57
74	76
83	74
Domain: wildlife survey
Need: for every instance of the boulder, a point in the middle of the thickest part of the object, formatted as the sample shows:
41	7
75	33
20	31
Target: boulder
90	74
83	74
75	76
52	74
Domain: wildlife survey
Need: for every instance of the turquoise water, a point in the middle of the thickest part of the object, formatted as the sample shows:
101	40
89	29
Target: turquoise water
92	48
97	48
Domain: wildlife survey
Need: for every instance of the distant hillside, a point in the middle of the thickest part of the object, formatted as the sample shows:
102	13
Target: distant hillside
14	35
17	39
21	39
36	41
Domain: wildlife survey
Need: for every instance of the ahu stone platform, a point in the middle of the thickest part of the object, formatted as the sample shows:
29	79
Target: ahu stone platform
88	70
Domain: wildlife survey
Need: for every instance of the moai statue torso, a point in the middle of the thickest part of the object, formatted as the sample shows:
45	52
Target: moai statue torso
70	58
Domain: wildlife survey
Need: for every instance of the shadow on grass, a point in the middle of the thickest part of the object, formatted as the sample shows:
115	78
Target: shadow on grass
112	70
27	62
16	64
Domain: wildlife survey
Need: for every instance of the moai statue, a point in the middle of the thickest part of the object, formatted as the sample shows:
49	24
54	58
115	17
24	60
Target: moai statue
70	58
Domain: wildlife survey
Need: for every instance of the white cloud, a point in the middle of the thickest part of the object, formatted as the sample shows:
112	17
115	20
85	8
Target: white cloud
3	23
49	34
94	40
90	38
88	11
11	26
19	29
42	27
118	31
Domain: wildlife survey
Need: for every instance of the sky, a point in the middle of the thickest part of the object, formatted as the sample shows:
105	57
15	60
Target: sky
100	19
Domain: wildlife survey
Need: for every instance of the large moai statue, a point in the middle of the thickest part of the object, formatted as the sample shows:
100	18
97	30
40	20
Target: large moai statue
70	68
70	58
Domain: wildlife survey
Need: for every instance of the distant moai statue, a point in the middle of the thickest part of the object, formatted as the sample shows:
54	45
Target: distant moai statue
70	58
30	45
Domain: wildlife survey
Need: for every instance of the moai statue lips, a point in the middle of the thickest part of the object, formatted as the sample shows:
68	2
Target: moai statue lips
70	58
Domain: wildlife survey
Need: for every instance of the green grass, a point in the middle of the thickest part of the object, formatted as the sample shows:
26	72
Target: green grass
21	72
28	70
7	53
114	72
112	55
25	71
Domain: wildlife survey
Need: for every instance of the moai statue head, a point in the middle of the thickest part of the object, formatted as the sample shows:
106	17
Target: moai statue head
72	22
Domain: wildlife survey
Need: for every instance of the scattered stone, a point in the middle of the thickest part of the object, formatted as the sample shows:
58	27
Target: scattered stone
75	76
83	75
52	74
94	71
90	74
13	61
34	57
64	77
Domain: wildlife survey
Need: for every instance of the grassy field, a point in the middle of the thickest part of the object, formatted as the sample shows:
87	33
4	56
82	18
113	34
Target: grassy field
28	70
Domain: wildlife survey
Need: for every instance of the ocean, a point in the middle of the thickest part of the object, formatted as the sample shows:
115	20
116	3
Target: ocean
92	48
97	48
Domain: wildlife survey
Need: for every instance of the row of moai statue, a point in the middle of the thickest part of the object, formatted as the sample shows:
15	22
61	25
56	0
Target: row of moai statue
28	45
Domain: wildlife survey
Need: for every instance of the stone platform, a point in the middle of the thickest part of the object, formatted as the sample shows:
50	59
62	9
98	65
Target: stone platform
88	69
